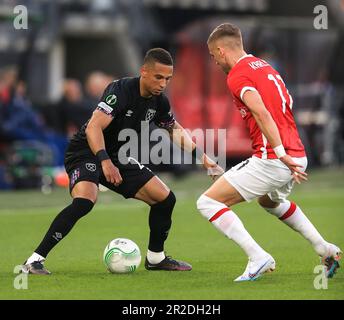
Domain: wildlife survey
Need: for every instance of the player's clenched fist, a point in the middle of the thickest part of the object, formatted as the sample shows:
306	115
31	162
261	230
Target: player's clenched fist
111	172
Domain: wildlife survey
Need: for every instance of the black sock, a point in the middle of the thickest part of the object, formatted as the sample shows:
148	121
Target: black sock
160	222
63	223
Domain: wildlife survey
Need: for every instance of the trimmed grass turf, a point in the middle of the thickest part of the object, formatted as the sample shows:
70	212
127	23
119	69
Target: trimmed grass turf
79	273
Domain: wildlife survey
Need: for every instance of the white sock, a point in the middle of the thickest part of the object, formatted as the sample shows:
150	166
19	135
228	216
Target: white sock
35	257
292	216
155	257
227	222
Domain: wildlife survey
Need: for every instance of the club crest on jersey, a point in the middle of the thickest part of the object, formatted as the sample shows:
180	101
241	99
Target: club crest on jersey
111	99
243	112
150	114
91	167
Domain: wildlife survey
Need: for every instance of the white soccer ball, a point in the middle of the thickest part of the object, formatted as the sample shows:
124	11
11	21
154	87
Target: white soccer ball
122	256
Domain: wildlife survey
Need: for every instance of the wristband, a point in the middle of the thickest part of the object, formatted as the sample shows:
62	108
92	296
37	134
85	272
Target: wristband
102	155
197	154
279	151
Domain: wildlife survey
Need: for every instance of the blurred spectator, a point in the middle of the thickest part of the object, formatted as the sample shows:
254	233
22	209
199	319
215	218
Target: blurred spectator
95	85
19	121
7	80
73	111
75	108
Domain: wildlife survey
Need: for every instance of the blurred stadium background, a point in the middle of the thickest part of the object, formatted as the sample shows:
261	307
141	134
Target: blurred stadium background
53	73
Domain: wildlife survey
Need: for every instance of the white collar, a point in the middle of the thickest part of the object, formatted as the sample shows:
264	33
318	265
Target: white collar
245	56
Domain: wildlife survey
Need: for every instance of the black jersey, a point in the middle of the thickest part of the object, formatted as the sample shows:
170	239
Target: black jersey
123	102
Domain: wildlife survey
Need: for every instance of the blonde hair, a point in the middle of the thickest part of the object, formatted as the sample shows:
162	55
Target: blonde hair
226	30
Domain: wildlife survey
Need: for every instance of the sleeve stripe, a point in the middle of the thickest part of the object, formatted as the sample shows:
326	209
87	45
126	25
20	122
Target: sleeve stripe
244	89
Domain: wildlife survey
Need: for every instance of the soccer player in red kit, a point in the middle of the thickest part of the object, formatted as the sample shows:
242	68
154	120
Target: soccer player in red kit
278	160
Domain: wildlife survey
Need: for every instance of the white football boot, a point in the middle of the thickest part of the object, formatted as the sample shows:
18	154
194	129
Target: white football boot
255	269
331	260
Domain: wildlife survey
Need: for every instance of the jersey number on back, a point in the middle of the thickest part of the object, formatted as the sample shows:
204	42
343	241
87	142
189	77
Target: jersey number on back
283	98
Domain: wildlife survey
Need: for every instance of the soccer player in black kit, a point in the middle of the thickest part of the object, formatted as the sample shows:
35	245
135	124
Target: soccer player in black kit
92	158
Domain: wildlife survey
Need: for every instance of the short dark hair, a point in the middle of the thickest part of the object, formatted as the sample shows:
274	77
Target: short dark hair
226	30
158	55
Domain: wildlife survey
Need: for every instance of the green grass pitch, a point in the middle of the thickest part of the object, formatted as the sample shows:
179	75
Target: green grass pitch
79	273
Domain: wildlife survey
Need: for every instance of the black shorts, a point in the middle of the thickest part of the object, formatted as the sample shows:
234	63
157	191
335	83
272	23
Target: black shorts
134	174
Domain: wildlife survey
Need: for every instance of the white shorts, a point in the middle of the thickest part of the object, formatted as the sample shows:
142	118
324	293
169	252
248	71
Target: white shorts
256	177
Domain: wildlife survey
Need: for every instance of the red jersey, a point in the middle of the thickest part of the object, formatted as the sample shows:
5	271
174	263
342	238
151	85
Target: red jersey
251	73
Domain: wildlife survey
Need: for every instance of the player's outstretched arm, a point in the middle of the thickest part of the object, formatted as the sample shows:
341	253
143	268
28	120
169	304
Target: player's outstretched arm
267	125
180	136
94	133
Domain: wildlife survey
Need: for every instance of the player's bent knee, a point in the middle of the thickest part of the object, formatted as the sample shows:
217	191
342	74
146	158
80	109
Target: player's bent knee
173	199
163	210
86	190
207	206
266	202
82	207
167	204
163	196
170	200
261	202
200	203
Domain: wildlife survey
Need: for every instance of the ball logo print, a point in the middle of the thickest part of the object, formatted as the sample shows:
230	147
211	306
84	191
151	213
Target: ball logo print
111	99
122	255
